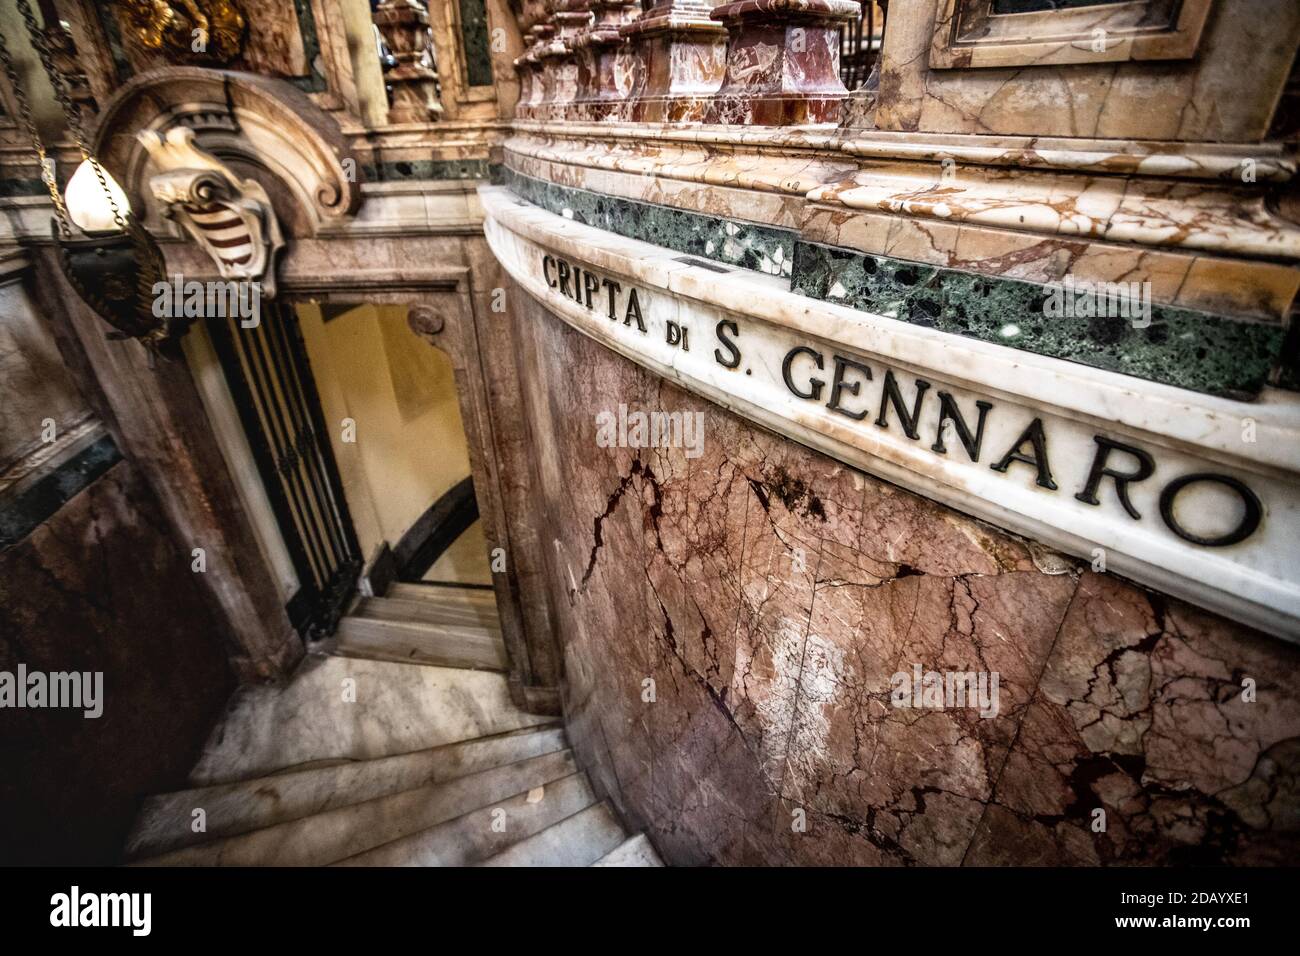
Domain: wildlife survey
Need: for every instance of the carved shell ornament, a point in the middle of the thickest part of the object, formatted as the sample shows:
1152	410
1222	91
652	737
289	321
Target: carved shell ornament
188	31
229	216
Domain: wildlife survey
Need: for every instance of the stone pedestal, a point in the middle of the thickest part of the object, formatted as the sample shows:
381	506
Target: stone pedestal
783	62
679	56
404	25
559	60
532	86
605	62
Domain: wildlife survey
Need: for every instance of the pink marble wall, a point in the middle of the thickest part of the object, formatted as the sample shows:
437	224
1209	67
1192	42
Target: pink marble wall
103	586
770	592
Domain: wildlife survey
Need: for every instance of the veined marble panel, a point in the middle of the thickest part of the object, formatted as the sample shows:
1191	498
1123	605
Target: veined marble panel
869	390
969	185
1205	281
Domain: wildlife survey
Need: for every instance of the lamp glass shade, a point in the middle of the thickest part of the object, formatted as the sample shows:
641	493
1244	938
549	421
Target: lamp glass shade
87	203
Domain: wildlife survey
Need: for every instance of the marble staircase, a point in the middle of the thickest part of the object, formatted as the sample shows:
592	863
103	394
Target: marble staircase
395	744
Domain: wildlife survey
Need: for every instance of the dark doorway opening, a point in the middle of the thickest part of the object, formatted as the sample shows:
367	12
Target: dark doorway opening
270	380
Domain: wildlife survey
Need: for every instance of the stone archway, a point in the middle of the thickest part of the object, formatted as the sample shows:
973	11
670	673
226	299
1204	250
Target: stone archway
266	130
264	123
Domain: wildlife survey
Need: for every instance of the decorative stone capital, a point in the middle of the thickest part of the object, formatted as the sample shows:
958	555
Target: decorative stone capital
783	62
679	56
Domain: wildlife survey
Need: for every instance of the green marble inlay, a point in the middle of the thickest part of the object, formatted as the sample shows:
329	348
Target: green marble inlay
761	248
474	35
422	169
1217	354
1194	350
12	188
314	81
21	513
121	65
1288	375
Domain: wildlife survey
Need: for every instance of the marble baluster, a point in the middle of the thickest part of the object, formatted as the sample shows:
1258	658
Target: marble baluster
529	69
559	60
859	110
404	25
783	62
679	56
605	62
534	30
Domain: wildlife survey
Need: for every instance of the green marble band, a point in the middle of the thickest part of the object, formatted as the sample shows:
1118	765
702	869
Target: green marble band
1200	351
746	245
426	169
1209	353
21	513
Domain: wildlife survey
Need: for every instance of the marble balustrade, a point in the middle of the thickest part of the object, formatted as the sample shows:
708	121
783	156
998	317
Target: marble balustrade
754	62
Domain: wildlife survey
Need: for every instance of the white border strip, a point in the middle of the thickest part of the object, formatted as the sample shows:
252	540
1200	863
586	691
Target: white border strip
1257	582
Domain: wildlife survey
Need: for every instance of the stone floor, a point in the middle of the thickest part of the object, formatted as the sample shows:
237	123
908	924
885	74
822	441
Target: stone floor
378	754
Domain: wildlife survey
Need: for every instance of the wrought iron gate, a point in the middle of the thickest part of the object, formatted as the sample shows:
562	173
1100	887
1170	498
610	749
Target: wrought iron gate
270	379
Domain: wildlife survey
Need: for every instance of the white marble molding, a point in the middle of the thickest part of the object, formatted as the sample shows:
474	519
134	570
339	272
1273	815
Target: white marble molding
1255	580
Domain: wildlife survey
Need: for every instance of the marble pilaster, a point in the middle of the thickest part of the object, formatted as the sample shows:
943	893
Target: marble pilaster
404	25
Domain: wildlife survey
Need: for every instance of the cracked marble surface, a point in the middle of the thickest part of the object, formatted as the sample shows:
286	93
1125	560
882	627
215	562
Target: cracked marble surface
731	622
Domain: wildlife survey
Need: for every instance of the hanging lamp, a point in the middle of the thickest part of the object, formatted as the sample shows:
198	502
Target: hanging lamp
110	260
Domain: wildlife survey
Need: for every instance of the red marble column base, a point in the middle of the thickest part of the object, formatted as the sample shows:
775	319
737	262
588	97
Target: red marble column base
606	66
736	109
783	62
605	75
560	63
670	109
680	59
526	108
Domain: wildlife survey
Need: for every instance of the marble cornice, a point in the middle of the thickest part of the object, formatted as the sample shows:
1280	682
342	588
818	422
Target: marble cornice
1273	162
1158	212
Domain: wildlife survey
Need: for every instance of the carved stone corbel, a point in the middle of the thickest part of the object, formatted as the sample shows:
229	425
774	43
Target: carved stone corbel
229	216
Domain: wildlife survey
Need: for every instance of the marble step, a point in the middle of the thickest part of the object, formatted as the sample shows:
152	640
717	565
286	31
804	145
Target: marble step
347	831
164	822
578	840
438	611
387	708
445	595
635	851
415	642
470	838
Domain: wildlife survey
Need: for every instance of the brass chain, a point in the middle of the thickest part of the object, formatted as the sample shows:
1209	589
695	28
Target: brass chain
70	110
25	114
